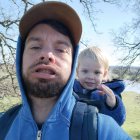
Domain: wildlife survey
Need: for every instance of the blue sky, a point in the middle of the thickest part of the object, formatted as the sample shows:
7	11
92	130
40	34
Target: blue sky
110	18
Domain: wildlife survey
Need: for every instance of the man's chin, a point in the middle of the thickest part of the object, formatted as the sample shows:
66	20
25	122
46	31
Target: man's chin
43	88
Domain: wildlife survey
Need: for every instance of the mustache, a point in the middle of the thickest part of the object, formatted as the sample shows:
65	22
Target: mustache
39	63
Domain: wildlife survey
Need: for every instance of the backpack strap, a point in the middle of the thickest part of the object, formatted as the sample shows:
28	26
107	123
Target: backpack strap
7	119
83	122
90	120
96	103
77	121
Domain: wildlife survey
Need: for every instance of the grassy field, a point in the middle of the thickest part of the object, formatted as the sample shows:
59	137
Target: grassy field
131	101
132	123
7	102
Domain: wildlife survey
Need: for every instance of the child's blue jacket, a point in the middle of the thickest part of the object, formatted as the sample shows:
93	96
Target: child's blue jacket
117	86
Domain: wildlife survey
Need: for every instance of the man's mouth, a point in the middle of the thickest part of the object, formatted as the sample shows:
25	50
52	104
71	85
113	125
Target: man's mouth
44	72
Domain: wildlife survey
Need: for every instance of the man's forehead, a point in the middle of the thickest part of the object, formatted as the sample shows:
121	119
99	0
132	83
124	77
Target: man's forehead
55	29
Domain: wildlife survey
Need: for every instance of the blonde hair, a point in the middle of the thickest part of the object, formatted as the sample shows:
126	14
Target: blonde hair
96	54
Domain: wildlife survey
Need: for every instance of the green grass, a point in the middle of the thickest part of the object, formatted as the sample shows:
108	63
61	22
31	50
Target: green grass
8	101
132	123
130	99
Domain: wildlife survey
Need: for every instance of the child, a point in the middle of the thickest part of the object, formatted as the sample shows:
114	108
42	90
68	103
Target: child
92	74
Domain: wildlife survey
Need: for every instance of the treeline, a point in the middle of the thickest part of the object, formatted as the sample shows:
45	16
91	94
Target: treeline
126	73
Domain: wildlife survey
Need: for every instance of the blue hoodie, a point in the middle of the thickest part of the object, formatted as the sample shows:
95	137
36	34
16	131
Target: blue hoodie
57	123
117	86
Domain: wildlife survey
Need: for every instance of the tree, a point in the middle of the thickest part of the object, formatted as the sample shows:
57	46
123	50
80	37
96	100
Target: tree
9	20
127	40
10	14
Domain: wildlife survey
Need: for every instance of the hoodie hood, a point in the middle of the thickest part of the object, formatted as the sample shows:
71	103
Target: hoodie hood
67	91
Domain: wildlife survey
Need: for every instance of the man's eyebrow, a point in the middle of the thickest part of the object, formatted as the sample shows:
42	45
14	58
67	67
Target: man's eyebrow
64	42
32	39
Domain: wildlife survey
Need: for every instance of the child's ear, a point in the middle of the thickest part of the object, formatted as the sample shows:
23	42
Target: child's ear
77	72
106	75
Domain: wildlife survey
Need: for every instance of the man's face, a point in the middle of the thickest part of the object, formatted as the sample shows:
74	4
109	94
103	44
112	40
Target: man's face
90	73
47	61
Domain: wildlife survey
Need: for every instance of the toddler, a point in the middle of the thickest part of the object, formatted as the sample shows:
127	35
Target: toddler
92	83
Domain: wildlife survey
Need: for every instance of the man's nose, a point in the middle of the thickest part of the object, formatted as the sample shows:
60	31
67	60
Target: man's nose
47	55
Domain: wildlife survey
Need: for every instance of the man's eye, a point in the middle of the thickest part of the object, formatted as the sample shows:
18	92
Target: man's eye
35	47
62	50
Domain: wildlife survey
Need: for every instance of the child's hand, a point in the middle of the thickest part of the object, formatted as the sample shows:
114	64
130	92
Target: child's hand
111	99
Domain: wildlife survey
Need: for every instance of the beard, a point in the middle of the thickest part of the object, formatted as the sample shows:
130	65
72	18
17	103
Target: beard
43	88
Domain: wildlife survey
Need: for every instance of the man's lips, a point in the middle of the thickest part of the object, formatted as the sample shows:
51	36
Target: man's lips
43	71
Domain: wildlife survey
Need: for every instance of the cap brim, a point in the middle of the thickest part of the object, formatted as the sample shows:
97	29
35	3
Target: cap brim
51	10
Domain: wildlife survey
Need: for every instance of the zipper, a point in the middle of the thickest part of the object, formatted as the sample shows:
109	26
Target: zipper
39	134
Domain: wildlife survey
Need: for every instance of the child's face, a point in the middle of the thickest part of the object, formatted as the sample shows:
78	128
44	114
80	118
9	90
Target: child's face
90	73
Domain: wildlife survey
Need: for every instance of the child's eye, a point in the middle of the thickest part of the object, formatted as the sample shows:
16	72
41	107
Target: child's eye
85	71
97	72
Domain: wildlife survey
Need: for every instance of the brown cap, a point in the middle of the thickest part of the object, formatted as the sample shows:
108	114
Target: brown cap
51	10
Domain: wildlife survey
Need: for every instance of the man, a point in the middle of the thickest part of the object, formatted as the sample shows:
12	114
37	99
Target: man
46	59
